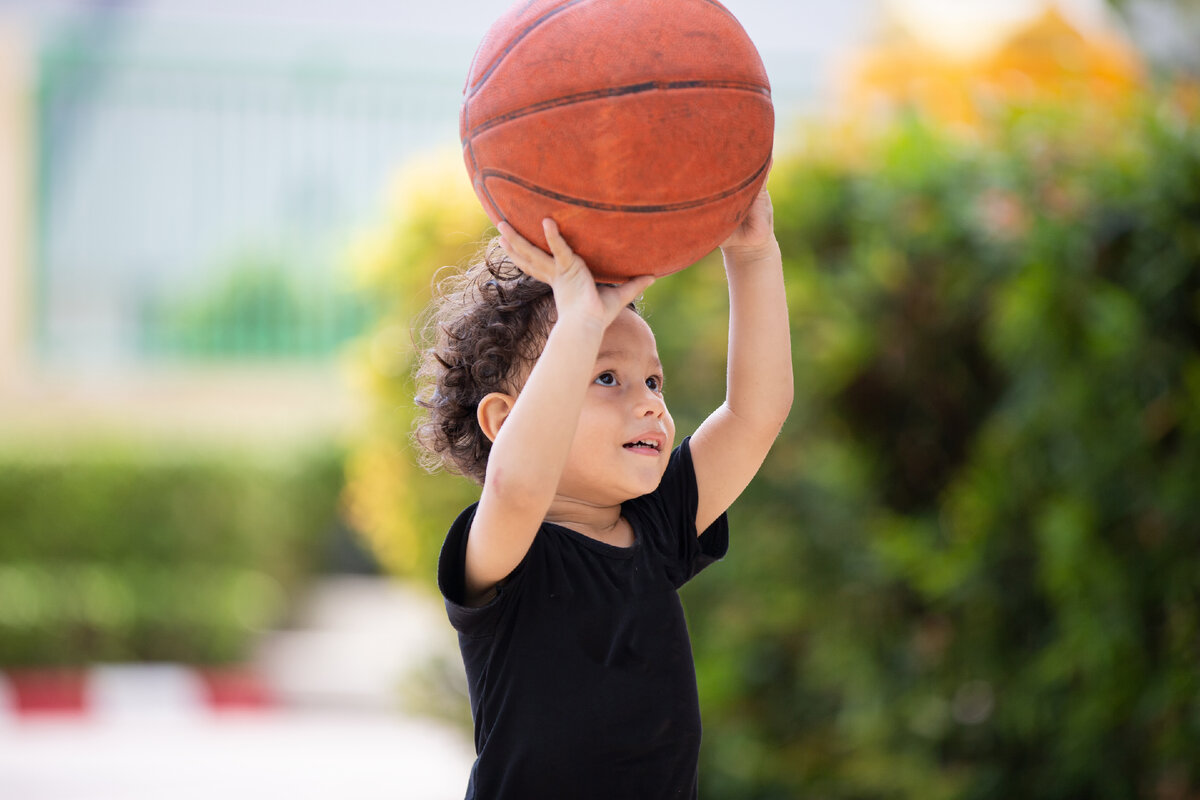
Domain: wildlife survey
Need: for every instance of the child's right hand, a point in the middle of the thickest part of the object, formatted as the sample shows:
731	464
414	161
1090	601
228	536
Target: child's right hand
575	290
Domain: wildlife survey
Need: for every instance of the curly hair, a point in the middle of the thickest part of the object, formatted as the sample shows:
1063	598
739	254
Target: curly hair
486	328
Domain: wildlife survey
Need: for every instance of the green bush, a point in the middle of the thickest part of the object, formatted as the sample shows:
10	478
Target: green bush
259	307
132	552
968	568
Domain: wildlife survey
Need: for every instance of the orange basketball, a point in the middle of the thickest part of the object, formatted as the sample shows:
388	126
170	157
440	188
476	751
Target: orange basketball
643	127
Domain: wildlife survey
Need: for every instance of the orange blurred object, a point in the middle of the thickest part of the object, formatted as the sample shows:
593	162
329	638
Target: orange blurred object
1046	58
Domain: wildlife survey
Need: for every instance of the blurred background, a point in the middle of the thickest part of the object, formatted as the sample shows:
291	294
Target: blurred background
968	570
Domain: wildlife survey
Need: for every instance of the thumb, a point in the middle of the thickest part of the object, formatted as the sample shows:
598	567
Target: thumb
628	292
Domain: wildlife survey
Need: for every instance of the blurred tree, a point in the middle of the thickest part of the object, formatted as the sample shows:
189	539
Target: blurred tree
260	307
435	221
968	568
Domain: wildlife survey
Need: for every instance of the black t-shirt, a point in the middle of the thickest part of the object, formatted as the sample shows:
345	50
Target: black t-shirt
580	668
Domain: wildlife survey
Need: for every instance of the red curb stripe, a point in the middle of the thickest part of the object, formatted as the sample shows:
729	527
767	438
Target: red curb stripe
44	692
60	691
233	689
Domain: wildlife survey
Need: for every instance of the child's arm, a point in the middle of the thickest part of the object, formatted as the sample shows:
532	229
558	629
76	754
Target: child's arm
530	447
729	447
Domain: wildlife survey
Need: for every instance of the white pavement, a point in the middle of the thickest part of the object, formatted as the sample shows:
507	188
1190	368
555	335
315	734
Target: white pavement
286	754
338	732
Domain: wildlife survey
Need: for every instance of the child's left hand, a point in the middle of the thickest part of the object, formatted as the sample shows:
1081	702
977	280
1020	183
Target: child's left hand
757	230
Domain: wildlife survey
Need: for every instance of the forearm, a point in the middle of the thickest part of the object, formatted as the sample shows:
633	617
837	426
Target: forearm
759	383
729	447
530	451
528	455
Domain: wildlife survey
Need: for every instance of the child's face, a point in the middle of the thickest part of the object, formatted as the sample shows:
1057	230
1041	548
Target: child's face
625	434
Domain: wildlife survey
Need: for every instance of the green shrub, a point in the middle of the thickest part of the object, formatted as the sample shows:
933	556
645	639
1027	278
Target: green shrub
118	553
260	307
969	566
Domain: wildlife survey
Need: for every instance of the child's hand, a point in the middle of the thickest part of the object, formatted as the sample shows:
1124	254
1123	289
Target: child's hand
757	232
575	291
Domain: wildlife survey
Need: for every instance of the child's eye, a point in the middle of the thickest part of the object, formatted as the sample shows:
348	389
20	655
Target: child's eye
654	383
606	379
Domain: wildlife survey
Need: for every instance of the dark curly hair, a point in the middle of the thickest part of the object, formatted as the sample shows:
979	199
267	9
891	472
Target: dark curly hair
485	330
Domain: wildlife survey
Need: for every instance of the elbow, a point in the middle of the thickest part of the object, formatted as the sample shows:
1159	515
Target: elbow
783	409
766	410
514	491
777	405
762	422
776	411
786	394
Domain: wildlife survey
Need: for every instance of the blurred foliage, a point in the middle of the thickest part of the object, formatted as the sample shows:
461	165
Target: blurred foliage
124	552
434	221
260	307
968	568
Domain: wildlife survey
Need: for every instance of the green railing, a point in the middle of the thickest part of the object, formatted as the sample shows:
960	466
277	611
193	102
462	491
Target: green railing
194	208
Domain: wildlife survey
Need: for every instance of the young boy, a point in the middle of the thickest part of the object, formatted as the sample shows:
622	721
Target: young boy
562	580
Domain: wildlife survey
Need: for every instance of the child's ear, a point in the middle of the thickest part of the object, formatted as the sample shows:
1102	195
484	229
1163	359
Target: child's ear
493	410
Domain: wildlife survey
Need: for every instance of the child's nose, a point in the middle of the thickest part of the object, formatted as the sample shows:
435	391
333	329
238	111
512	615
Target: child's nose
651	403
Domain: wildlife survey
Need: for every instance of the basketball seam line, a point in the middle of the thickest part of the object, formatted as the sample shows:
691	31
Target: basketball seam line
726	10
617	91
596	205
471	90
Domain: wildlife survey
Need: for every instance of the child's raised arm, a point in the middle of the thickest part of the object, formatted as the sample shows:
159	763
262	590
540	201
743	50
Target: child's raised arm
532	432
729	447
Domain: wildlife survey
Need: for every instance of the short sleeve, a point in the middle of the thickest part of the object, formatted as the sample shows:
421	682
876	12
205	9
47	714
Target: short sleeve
468	621
666	519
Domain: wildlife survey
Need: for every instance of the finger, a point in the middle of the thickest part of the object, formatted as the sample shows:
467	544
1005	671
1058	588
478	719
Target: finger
768	208
527	256
630	290
760	209
513	242
559	248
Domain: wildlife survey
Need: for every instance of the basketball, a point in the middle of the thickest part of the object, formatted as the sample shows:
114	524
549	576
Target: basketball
642	127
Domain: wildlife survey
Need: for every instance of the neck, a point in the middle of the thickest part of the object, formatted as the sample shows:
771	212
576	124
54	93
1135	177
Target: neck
597	522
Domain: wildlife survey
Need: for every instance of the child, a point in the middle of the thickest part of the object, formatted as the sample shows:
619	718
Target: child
561	581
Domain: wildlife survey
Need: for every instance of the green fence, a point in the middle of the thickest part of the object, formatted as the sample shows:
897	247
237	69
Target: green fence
195	199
